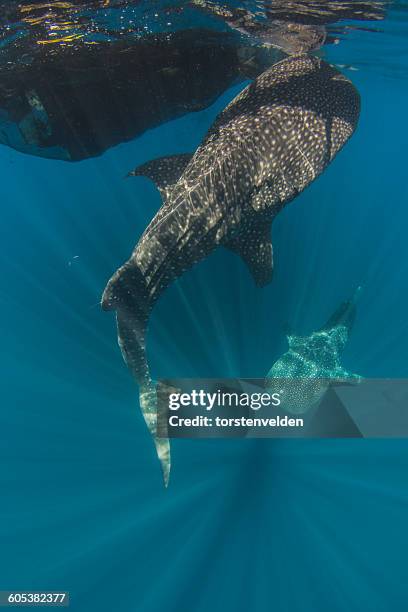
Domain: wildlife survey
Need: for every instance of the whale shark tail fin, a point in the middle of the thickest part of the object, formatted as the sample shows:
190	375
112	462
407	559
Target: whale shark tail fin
149	407
254	245
127	294
163	452
357	294
345	314
163	171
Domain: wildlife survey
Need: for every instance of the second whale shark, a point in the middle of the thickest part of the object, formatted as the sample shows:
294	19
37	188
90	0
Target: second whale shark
264	148
311	363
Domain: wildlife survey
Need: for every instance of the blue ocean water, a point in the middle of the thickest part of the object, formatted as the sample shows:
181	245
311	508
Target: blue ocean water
244	525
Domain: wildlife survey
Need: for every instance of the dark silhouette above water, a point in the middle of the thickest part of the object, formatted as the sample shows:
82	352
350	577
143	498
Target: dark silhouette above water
72	103
80	76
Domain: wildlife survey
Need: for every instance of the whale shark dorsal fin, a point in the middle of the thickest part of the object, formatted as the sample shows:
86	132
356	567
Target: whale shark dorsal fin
292	340
163	171
254	245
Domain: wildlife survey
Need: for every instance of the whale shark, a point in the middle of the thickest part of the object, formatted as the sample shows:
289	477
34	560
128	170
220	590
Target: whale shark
274	138
311	362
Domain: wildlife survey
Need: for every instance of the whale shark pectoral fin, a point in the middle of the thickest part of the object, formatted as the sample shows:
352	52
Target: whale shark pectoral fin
349	377
163	171
255	247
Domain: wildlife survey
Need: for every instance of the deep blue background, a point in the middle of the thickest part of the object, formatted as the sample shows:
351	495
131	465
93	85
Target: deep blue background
245	525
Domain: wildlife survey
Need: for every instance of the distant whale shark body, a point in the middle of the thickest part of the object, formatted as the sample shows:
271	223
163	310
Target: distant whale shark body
263	149
311	362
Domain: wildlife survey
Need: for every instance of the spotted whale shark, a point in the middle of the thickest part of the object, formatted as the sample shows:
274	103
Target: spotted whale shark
275	138
306	370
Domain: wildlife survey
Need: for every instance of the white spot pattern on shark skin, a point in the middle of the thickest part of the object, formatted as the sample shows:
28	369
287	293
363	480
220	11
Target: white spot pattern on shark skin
263	149
305	370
